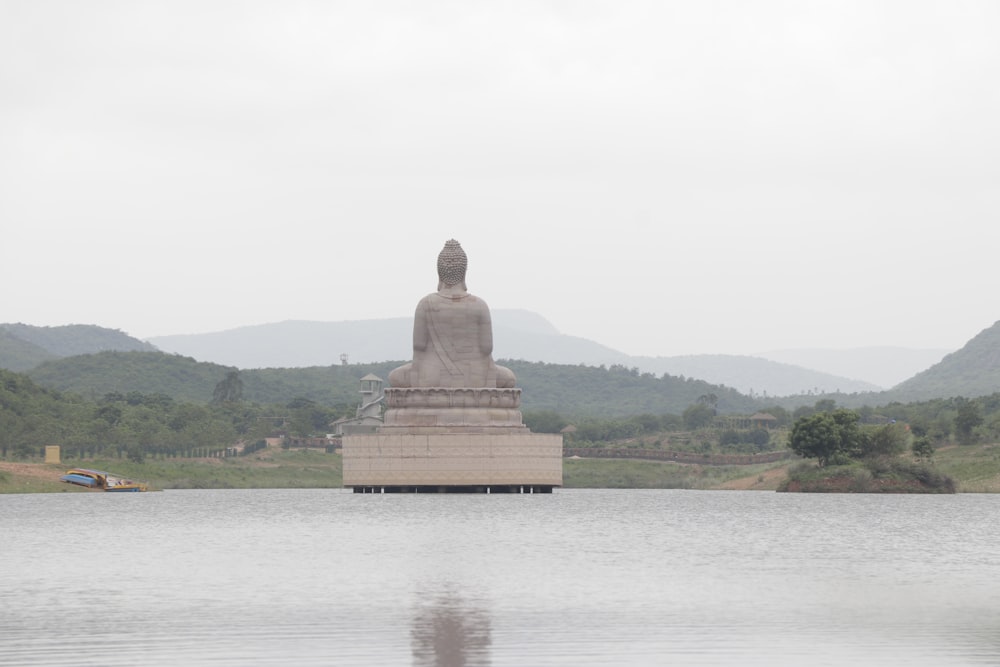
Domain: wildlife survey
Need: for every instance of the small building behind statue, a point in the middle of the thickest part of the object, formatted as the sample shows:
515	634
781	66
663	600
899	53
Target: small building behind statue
368	417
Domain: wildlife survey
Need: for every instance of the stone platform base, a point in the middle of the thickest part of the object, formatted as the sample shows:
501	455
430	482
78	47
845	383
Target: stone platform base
453	462
427	410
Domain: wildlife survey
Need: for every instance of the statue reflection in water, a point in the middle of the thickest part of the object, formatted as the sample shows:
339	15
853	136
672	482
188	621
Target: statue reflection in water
446	632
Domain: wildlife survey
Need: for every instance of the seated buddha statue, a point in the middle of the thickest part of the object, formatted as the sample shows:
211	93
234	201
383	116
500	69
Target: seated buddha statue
452	334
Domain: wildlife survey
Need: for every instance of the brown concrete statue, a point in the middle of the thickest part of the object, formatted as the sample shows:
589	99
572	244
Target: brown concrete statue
452	334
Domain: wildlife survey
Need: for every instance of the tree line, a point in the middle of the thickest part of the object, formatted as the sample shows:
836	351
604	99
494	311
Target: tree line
137	423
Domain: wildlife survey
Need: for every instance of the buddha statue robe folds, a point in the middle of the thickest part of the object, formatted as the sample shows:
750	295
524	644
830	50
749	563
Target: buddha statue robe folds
452	335
452	382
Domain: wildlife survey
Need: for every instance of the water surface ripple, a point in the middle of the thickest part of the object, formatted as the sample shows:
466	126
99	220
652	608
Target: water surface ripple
578	577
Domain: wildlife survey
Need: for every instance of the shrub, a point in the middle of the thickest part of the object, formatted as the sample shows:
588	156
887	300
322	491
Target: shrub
729	437
923	448
861	481
887	440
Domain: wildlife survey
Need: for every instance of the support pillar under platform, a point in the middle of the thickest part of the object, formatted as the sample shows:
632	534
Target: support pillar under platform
508	488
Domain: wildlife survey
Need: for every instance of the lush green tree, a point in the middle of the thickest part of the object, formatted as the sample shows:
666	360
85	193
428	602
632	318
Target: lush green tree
803	411
826	405
307	417
758	437
136	454
967	419
729	437
186	414
670	422
886	441
923	448
698	416
709	399
605	430
815	436
229	389
143	425
648	423
544	421
866	414
112	414
826	436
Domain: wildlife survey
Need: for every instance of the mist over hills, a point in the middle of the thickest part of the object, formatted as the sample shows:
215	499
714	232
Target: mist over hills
518	334
92	360
298	343
884	366
753	375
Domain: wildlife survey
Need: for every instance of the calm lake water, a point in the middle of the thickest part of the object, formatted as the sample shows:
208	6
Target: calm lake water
578	577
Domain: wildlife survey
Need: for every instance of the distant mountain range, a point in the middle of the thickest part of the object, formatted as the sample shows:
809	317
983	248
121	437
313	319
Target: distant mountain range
526	336
522	335
883	366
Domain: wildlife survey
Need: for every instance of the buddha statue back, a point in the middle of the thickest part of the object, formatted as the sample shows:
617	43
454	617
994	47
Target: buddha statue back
452	381
452	334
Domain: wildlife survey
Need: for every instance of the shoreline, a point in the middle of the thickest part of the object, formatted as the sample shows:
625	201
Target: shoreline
974	469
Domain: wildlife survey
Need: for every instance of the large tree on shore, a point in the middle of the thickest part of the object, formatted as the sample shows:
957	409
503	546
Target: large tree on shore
827	436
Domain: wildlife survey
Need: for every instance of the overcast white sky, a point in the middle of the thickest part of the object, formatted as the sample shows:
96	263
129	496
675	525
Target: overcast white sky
661	177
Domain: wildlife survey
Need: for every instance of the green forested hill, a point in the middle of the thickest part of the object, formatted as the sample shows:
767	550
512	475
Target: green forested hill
184	379
327	385
572	390
94	375
567	389
24	346
17	354
972	371
585	391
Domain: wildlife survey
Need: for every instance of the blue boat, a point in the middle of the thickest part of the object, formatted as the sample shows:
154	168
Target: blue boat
80	480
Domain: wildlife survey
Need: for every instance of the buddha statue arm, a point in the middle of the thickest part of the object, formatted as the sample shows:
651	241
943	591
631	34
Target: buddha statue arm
485	331
421	337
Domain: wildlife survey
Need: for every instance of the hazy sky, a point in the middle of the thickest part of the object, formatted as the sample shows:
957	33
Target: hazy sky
662	177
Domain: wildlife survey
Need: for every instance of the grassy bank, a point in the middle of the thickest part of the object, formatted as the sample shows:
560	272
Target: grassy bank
18	477
315	469
974	469
263	470
636	474
955	468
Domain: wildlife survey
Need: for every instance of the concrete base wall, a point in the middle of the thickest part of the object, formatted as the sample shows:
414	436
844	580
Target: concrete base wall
452	459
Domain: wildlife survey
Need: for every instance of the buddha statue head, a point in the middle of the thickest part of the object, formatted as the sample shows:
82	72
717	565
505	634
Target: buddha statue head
451	265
